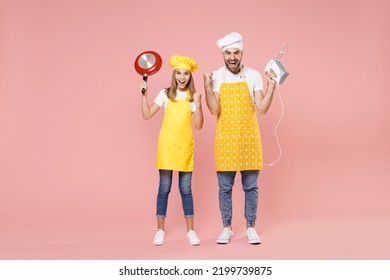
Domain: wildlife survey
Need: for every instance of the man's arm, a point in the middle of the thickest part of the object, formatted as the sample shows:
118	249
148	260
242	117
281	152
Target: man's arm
263	101
212	98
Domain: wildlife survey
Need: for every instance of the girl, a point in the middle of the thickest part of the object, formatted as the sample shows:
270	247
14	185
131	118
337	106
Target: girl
176	141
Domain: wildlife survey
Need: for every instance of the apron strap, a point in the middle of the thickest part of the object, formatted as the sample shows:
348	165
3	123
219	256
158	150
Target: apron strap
242	77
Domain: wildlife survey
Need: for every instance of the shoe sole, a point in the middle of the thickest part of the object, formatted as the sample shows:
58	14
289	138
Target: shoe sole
193	243
223	241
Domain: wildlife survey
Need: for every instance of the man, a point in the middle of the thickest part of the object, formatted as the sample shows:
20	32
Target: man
233	93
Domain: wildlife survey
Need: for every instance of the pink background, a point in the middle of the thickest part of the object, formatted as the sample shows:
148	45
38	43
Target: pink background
77	172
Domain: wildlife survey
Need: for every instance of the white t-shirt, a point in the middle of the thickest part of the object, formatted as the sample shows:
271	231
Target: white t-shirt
249	75
162	99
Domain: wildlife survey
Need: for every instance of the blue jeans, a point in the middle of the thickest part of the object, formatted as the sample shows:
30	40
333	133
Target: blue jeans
164	189
249	185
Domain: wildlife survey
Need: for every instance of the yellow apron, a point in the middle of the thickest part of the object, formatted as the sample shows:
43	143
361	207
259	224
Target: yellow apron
176	140
237	142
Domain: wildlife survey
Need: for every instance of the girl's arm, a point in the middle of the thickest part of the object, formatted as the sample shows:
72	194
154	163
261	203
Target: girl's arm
147	111
198	114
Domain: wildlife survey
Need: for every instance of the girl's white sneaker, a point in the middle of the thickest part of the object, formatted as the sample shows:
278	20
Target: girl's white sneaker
159	237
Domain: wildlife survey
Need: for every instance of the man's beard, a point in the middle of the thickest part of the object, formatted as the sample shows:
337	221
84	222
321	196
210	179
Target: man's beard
235	69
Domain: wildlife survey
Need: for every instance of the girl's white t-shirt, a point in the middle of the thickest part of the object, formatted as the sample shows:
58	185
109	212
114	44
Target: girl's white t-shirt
162	99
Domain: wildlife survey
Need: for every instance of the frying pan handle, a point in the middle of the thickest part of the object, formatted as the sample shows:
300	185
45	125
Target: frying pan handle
145	78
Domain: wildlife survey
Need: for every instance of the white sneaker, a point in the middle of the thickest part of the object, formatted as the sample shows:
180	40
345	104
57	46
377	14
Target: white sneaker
193	238
159	237
252	236
225	236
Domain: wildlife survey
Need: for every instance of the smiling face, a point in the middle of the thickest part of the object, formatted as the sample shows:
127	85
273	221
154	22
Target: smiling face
232	58
182	77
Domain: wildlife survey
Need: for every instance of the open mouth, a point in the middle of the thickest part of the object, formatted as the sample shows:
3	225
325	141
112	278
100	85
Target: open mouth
233	63
182	83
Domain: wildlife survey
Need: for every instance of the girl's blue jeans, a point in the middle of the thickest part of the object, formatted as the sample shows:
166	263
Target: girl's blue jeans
164	189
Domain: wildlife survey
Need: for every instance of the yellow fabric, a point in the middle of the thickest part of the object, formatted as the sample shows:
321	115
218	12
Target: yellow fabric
183	62
176	139
237	143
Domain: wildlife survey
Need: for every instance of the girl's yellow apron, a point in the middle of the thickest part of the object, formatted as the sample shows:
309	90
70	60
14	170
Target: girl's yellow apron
176	140
237	142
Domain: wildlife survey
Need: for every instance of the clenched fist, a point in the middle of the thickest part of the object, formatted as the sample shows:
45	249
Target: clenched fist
208	79
197	97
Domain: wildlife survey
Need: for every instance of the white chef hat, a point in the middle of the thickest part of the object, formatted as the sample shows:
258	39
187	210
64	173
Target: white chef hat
232	40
